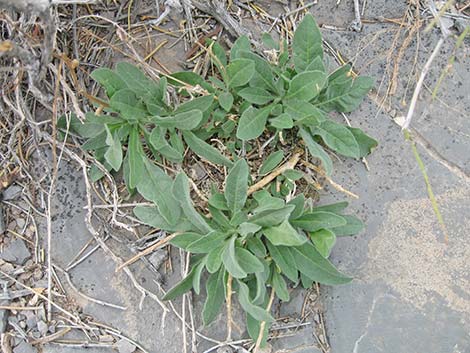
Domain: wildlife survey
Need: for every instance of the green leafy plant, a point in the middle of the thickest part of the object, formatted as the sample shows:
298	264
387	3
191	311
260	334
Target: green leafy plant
294	92
136	107
246	241
257	240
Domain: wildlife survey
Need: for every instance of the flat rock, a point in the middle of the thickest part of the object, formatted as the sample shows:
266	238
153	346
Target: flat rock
24	347
16	252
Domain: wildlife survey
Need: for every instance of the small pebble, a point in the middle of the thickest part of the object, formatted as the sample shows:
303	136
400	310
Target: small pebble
42	328
11	192
16	252
20	222
124	346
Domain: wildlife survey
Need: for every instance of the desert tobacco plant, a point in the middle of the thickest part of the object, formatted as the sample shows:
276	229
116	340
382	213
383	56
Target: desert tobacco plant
247	241
258	240
293	92
136	107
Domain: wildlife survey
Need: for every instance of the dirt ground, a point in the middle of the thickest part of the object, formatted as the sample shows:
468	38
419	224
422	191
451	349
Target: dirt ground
411	291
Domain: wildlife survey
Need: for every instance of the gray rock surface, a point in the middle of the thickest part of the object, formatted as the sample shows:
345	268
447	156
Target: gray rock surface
24	347
16	252
410	292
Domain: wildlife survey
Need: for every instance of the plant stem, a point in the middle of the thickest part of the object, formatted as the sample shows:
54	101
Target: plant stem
290	164
263	324
229	308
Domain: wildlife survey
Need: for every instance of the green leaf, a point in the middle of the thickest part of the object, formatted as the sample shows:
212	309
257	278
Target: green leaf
269	42
307	43
306	281
284	234
267	202
183	121
214	259
293	174
183	286
353	226
324	241
219	53
226	101
306	85
310	262
317	151
183	240
263	76
236	186
176	141
230	260
283	257
238	218
215	297
125	102
136	163
217	83
271	162
256	312
283	121
136	80
93	125
252	123
114	153
304	113
280	286
208	242
366	143
240	72
180	190
109	80
95	173
256	95
334	207
241	44
261	281
343	93
256	246
204	150
247	228
158	141
220	219
253	326
197	277
316	64
154	186
299	203
190	78
271	218
152	217
248	262
314	221
218	201
202	103
338	138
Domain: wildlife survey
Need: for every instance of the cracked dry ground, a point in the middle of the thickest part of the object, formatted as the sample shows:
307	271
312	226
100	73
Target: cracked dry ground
411	291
